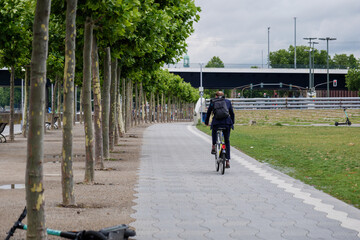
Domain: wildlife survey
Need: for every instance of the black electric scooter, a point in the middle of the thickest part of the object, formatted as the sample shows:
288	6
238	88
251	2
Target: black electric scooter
347	122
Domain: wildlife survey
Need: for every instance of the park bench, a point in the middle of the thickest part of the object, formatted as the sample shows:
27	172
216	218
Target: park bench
48	124
2	128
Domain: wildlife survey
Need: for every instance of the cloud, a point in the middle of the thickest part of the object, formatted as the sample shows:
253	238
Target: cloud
236	30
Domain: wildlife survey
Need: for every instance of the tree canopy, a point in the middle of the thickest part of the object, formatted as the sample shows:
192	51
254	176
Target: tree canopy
215	62
285	58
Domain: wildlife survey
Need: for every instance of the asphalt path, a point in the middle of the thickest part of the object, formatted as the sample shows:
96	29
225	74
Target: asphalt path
181	196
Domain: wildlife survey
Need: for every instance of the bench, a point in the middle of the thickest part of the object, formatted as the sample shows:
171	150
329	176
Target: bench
2	128
48	124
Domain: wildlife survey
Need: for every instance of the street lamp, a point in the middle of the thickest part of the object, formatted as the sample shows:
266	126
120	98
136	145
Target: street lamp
268	62
327	62
201	90
313	65
310	39
295	42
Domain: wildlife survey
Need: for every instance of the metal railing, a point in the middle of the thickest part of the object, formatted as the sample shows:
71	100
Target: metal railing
293	103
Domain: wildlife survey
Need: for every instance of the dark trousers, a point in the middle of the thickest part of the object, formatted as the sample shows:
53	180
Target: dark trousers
226	137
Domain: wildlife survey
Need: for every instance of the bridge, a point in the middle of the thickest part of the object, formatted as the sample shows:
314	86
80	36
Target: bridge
230	78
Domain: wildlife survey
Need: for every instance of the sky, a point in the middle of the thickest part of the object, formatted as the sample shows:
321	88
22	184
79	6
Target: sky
237	30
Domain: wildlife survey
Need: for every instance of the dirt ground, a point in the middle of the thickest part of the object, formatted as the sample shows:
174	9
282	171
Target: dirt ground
107	203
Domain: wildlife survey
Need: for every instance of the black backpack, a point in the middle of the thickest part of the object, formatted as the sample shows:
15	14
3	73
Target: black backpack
221	110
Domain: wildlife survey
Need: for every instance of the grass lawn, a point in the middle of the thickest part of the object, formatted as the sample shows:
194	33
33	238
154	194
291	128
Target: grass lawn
327	158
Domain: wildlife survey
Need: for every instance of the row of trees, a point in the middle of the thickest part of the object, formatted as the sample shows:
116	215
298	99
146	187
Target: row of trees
124	44
285	58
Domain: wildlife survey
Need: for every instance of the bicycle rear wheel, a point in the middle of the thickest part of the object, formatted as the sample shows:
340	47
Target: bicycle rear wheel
222	163
217	160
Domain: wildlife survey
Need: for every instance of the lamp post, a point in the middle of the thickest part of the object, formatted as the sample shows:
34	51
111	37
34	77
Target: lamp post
327	63
201	90
295	42
310	39
268	60
313	64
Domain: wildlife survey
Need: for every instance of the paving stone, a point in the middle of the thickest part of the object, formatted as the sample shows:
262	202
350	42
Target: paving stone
181	196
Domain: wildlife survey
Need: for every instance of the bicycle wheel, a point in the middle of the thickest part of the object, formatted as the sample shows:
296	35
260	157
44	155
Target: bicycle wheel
223	163
217	154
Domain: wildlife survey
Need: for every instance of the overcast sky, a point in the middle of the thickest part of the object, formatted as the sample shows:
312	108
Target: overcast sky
237	30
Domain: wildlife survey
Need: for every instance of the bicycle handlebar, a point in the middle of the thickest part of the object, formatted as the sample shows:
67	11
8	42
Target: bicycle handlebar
16	225
115	232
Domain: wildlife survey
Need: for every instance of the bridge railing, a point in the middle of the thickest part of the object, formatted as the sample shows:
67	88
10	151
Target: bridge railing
293	103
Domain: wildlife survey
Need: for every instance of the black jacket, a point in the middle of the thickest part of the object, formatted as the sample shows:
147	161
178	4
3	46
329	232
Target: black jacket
227	121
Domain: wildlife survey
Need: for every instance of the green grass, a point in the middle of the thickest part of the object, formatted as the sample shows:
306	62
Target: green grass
327	158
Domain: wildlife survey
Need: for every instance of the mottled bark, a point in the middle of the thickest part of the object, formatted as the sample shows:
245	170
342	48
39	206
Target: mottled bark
136	110
120	125
120	120
117	127
169	110
97	107
26	104
35	199
128	106
112	122
106	103
67	178
162	108
142	106
88	125
53	103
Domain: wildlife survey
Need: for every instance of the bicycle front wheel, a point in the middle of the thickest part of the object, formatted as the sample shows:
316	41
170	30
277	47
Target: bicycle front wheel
223	163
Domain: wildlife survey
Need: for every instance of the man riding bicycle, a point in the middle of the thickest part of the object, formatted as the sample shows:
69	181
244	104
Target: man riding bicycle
223	118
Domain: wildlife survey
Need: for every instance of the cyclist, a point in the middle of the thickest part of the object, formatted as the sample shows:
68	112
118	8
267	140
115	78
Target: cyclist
224	121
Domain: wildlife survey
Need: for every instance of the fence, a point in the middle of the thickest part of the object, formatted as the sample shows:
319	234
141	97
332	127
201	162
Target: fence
293	103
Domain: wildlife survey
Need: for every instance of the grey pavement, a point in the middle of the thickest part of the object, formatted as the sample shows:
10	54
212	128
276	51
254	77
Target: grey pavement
181	196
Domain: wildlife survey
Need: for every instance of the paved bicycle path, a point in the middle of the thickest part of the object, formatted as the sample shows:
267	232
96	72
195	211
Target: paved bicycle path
181	196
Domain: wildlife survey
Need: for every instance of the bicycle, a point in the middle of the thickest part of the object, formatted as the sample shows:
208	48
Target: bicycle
220	148
116	232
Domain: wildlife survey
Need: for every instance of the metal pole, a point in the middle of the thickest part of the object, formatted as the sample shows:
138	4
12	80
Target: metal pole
327	64
268	60
313	66
310	39
295	42
22	102
201	95
327	69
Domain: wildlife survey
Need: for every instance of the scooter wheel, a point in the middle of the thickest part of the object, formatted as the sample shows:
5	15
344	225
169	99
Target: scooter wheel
336	123
349	123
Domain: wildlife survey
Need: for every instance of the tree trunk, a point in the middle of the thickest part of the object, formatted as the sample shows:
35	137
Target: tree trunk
112	123
142	110
136	111
168	110
106	103
128	105
59	105
12	110
81	111
75	104
120	120
117	127
53	103
26	103
89	138
97	107
67	177
123	102
162	108
35	147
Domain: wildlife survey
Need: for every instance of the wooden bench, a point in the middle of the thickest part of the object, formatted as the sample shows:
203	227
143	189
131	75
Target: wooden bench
2	128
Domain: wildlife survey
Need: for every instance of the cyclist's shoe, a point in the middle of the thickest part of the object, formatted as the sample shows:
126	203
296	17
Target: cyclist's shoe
213	150
227	164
